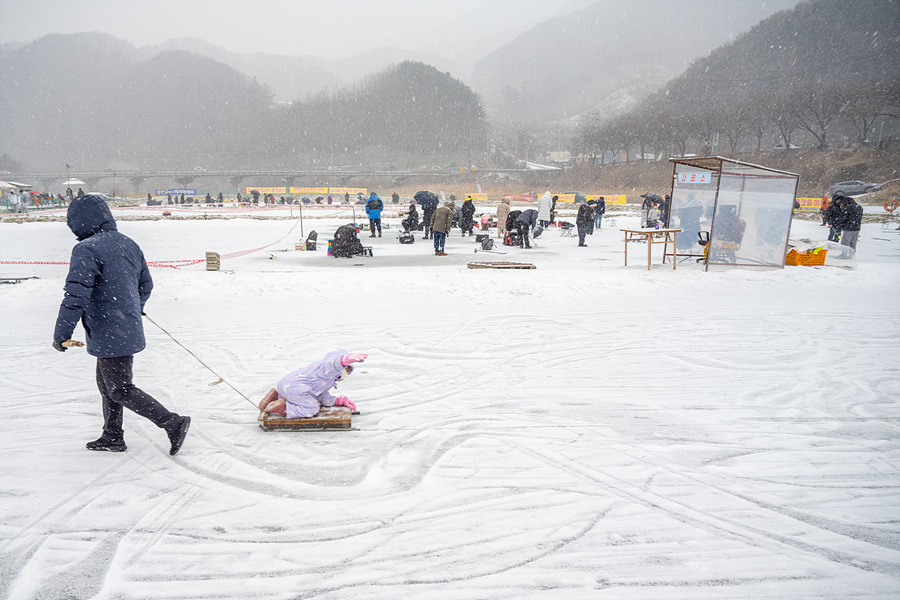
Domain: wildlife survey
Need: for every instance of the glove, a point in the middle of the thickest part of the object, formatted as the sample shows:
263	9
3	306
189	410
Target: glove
345	401
59	346
353	357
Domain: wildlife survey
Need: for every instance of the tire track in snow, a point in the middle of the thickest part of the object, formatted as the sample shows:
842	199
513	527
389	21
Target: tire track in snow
720	524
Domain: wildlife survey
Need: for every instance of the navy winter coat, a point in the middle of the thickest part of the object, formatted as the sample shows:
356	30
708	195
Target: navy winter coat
107	285
528	217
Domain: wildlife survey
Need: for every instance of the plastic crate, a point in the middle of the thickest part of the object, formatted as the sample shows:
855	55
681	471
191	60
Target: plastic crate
810	258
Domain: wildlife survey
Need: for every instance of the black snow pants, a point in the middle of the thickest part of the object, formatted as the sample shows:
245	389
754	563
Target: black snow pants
114	381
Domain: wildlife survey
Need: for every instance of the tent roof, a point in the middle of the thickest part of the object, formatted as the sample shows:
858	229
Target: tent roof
715	163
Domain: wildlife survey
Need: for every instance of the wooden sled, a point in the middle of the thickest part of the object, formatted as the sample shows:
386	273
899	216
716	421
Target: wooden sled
500	265
329	418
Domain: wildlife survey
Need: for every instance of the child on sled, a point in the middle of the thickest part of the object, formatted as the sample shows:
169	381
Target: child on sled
303	392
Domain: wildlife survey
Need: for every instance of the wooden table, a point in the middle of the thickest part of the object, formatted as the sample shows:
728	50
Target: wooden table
651	236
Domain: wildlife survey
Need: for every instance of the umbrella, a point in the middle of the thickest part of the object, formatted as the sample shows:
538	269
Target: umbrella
6	186
73	182
426	199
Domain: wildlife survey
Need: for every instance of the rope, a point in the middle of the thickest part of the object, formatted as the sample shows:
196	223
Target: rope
221	379
171	264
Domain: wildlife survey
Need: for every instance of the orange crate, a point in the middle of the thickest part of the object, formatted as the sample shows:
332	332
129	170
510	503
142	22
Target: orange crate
806	259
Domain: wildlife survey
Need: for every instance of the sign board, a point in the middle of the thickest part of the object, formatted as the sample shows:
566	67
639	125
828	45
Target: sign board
308	190
519	197
609	198
810	204
265	190
341	190
177	192
479	197
694	177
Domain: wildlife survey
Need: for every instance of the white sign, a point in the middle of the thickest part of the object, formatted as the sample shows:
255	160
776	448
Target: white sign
694	177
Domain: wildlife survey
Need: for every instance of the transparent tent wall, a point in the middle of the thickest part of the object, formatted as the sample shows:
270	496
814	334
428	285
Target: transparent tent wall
752	219
692	208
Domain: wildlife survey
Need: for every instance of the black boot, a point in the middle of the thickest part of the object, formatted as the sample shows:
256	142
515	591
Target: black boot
106	444
177	432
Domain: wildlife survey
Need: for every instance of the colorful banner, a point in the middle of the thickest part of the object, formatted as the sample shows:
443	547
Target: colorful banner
351	191
265	190
519	197
179	191
810	204
609	198
309	190
476	197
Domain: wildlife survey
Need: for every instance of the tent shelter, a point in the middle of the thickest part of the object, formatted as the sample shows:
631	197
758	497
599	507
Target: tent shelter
744	209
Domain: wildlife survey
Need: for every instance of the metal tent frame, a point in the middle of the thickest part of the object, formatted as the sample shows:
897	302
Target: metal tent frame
689	171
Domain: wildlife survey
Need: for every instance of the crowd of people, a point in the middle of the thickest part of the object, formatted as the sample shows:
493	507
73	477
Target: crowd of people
21	200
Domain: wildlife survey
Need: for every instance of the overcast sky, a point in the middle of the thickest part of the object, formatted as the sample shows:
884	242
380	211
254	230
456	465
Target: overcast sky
327	28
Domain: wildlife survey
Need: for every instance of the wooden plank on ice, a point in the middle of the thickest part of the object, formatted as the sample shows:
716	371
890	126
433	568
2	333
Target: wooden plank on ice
500	265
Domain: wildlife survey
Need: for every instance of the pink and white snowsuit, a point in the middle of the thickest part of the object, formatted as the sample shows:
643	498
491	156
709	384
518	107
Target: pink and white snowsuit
305	390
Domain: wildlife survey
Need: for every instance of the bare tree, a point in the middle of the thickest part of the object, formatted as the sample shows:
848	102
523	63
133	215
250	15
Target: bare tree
863	109
814	108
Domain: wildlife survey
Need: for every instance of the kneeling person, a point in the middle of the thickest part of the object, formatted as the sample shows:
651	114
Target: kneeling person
302	393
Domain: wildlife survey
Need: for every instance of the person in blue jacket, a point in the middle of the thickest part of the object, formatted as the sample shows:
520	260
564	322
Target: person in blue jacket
373	208
106	289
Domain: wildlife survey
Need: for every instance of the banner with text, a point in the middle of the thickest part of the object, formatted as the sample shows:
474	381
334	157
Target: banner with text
351	191
810	204
265	190
609	198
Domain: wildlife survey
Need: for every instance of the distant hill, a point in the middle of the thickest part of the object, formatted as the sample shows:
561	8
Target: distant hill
289	77
293	78
820	75
96	102
607	57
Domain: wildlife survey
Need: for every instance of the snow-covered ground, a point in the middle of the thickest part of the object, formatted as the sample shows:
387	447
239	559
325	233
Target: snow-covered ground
582	430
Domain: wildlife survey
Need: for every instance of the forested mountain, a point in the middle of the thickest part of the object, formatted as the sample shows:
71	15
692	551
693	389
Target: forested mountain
92	101
827	67
289	77
607	57
409	108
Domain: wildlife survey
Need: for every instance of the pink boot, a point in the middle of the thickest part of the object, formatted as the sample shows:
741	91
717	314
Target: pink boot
277	407
270	395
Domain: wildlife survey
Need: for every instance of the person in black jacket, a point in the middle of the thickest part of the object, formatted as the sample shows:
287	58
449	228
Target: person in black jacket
599	211
833	217
583	220
525	221
467	213
106	289
411	222
851	222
